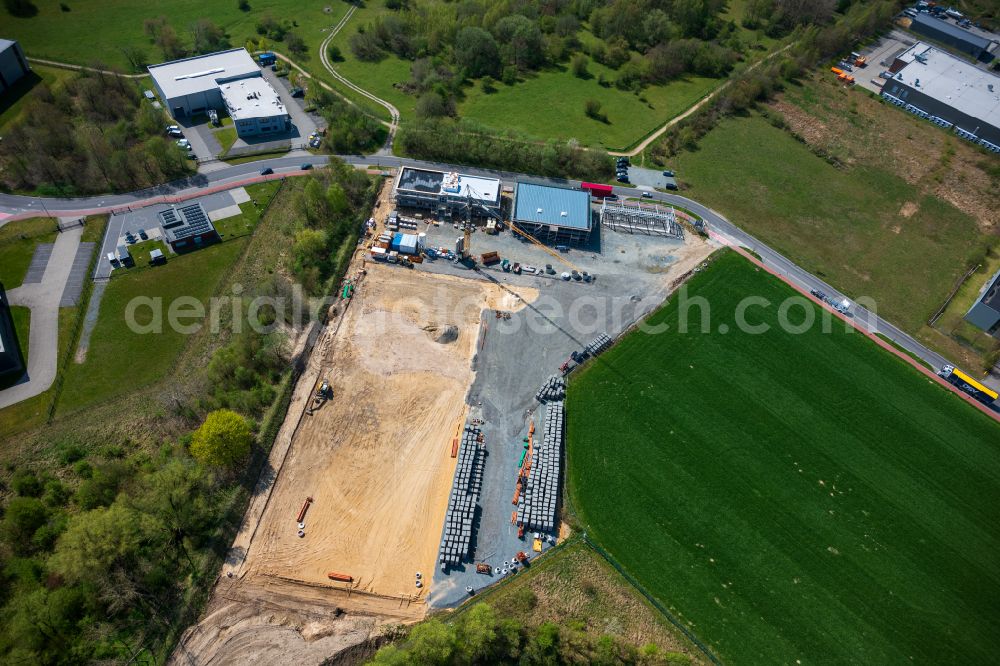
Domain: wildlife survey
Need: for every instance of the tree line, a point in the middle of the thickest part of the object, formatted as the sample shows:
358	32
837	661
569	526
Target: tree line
93	133
480	636
465	142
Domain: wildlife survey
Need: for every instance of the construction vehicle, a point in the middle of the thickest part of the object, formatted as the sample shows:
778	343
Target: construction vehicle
323	393
484	568
543	246
536	545
522	557
858	59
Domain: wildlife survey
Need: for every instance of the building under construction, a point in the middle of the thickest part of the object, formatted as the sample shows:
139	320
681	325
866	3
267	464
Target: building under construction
552	214
636	217
447	194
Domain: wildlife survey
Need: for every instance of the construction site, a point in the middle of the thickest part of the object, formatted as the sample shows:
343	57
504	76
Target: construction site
421	458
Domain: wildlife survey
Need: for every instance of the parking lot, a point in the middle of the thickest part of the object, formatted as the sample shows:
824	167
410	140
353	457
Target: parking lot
219	205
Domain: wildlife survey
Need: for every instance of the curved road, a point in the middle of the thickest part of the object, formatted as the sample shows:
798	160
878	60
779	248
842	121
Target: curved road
17	206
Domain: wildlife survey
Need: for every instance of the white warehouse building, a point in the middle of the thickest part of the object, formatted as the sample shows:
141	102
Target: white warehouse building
228	80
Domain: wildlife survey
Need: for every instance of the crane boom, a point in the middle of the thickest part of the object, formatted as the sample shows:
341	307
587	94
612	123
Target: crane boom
542	245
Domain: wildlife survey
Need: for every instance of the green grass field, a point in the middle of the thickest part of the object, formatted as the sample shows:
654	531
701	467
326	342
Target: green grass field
794	498
842	225
119	359
17	245
110	25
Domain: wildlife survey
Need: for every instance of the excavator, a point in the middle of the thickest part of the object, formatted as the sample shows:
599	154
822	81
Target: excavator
323	393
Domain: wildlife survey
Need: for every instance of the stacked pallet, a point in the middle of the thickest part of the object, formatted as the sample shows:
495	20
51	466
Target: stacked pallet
554	388
600	343
465	489
537	507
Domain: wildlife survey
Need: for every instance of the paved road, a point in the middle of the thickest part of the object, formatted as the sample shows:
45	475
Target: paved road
43	339
717	225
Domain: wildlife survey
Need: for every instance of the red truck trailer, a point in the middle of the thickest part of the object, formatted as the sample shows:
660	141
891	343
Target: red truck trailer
597	189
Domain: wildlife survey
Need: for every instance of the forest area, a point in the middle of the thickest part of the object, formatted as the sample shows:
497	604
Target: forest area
90	133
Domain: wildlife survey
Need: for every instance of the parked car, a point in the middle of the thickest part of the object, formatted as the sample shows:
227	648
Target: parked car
113	260
622	179
266	171
143	235
172	128
670	186
175	133
184	143
306	166
298	92
668	173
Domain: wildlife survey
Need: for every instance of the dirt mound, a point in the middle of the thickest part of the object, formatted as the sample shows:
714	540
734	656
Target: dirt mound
443	335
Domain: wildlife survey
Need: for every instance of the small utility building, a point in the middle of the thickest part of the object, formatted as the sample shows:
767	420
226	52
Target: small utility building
187	227
553	214
227	79
985	312
13	64
12	364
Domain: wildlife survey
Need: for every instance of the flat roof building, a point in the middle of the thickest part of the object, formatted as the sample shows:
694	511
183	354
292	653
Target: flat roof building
446	193
227	79
12	364
554	214
948	91
254	106
13	64
187	227
985	312
951	34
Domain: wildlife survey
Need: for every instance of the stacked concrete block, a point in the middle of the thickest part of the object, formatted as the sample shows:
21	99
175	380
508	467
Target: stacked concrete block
540	495
554	388
600	343
465	488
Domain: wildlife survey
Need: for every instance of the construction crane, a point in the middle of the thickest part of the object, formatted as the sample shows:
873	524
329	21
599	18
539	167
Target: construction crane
467	243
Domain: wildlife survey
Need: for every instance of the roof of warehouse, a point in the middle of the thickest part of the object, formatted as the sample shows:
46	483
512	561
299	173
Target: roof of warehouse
252	98
559	206
950	29
991	293
5	44
951	81
201	73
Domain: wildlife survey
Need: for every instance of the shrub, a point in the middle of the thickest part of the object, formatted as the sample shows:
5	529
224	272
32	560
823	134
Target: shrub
222	440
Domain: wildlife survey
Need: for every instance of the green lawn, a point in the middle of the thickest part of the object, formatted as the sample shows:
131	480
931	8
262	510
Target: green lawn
119	359
800	498
841	224
562	115
22	326
17	245
226	138
112	24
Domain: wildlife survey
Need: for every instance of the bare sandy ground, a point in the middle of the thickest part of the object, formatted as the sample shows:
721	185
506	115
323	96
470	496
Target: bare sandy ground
377	458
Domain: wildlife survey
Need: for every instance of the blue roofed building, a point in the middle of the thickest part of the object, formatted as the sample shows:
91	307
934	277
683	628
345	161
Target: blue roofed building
552	214
952	35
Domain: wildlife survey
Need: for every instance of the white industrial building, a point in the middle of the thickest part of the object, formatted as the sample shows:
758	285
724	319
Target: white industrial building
225	80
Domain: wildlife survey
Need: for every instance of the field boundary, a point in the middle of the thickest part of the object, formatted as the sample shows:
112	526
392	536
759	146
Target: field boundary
877	340
656	603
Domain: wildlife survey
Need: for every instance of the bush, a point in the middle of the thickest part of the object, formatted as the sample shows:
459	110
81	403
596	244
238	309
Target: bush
578	65
26	484
333	52
222	440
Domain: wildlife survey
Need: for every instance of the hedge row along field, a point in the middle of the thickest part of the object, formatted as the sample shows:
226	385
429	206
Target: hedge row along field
794	498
